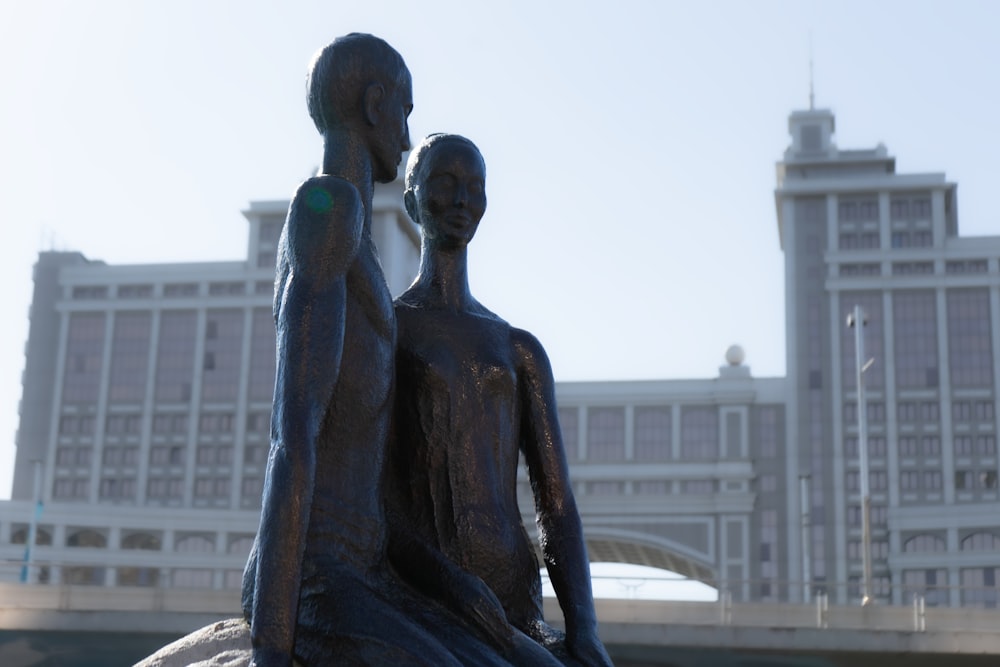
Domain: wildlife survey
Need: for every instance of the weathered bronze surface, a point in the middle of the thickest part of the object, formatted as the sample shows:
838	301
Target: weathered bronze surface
473	395
318	587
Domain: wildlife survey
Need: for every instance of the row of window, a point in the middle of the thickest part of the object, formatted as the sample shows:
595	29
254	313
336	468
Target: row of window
170	290
923	480
910	412
901	209
163	423
136	540
158	488
903	268
700	431
221	361
925	445
978	541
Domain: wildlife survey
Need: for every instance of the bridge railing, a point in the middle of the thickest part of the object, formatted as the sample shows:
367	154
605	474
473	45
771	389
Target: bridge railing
914	618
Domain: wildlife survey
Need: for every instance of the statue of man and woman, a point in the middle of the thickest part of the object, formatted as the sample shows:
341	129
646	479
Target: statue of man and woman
390	532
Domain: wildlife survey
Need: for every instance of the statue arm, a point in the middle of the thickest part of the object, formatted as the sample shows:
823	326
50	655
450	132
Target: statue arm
321	239
437	576
560	530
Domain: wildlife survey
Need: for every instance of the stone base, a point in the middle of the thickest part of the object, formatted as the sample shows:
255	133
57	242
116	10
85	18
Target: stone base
222	644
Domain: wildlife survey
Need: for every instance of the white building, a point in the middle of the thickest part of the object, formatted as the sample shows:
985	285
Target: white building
148	388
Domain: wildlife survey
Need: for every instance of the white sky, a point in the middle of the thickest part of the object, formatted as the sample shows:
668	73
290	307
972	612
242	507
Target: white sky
630	146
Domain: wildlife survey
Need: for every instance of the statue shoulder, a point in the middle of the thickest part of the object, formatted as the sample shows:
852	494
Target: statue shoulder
325	223
529	352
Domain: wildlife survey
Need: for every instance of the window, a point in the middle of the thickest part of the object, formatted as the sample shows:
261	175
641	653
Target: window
86	538
223	355
899	209
90	292
192	578
969	341
85	347
767	431
923	544
979	587
135	291
251	490
260	422
129	357
175	356
876	446
767	483
178	290
699	433
226	289
195	544
652	433
698	486
932	480
811	138
605	434
141	541
240	545
270	232
176	423
262	356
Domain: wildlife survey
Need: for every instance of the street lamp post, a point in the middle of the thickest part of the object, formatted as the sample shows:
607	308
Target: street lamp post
804	531
27	576
857	320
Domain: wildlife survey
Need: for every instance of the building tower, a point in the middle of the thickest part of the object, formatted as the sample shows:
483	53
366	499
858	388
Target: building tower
854	232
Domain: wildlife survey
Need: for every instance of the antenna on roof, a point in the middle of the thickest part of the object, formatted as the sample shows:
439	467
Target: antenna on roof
812	96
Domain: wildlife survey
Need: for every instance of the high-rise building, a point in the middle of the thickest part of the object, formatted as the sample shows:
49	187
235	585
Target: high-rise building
856	233
147	400
147	396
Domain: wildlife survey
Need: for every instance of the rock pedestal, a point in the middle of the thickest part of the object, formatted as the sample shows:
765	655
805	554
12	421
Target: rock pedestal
222	644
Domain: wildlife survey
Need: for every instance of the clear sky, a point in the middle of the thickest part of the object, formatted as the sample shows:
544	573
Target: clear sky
630	146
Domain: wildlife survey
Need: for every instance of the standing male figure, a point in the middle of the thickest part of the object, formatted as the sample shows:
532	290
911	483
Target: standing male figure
316	586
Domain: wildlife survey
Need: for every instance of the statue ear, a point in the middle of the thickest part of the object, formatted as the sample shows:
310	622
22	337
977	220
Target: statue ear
410	202
374	94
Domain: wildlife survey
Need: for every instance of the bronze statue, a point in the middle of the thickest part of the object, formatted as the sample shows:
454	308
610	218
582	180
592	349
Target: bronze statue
473	394
317	586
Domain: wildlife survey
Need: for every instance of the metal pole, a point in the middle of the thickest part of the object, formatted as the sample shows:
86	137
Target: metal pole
26	573
857	320
806	541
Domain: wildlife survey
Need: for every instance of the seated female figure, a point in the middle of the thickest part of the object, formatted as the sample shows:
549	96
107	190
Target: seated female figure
473	394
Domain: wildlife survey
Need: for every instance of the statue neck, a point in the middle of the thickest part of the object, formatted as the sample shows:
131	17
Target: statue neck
444	276
346	155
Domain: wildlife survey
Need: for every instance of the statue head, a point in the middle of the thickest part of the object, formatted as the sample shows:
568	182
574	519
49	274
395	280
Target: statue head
359	83
445	188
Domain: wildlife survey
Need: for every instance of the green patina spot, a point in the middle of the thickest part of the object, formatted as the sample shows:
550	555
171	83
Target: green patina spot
319	200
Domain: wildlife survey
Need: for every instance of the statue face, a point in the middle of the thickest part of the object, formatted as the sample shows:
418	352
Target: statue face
451	193
392	135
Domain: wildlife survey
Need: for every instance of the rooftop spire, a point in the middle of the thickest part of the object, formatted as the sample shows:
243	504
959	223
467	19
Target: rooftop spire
812	97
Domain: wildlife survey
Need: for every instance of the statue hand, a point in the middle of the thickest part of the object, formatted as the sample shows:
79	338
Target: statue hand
588	649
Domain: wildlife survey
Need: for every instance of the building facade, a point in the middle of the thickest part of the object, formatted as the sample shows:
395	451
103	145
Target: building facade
147	395
856	233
